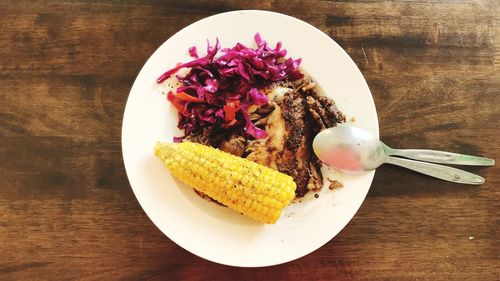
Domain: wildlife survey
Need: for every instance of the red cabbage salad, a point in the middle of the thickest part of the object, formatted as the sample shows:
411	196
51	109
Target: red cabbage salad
219	87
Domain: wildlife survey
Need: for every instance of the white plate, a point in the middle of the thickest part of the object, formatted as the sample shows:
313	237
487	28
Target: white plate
214	232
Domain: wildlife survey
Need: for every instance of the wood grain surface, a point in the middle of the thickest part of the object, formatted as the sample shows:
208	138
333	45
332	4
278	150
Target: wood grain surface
67	211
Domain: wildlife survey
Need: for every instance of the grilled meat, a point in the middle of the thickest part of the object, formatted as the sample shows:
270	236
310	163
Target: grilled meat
235	145
293	117
298	116
266	151
207	136
297	157
332	112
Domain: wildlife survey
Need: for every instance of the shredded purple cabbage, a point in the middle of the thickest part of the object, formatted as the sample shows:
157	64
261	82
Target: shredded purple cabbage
234	76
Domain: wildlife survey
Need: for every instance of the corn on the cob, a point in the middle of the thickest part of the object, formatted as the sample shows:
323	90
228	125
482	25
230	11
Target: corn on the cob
245	186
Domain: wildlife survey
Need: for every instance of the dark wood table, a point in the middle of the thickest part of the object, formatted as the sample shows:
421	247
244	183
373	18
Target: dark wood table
67	210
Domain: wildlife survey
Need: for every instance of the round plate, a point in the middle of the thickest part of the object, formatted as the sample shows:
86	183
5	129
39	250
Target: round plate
217	233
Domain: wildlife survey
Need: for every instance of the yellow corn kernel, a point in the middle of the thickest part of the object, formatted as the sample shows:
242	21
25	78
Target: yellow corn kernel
247	187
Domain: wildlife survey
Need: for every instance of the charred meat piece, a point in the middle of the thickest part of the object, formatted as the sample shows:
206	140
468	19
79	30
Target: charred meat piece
297	158
261	115
317	114
265	109
315	176
207	136
235	144
324	112
332	112
202	137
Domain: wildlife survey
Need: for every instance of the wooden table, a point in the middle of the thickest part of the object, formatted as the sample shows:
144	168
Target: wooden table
67	211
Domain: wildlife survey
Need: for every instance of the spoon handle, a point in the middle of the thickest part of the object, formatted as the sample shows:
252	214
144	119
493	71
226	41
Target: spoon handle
437	171
442	157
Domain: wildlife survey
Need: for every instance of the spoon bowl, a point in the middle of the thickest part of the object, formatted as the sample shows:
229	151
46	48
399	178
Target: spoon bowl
349	149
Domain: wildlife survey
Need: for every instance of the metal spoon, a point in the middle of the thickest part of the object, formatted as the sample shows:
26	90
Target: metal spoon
352	149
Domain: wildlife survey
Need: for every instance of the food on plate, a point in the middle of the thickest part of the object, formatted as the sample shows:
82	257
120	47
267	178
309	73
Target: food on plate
245	186
335	184
254	103
298	115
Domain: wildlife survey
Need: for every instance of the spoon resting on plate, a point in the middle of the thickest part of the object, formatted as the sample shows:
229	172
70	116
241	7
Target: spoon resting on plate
352	149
